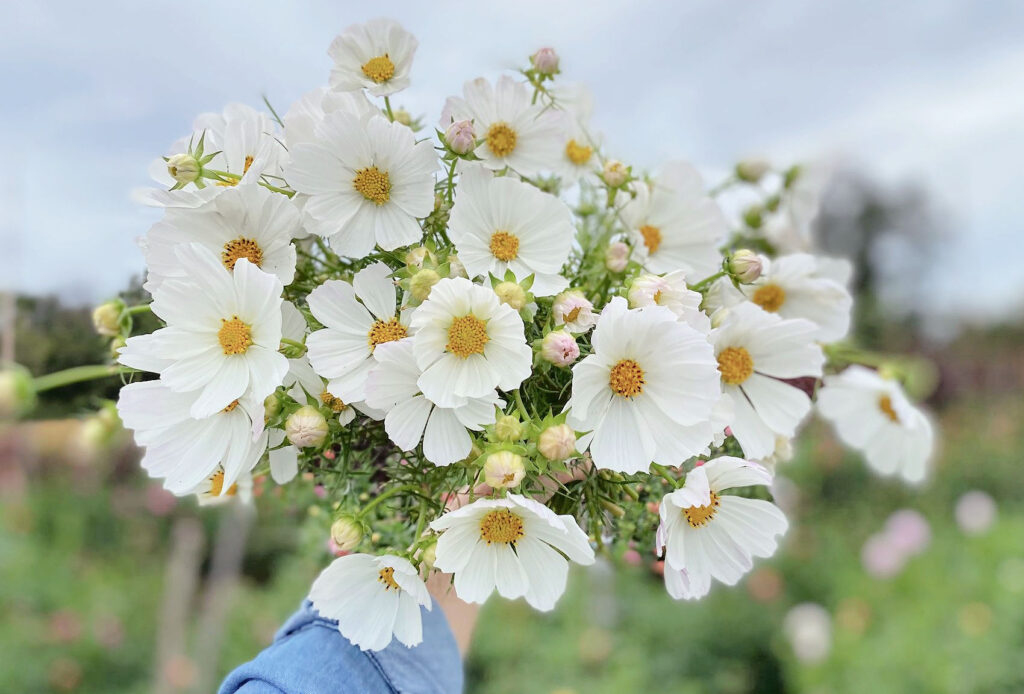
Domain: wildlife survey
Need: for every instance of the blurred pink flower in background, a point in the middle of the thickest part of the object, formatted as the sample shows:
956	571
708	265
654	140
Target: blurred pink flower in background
975	512
909	531
881	557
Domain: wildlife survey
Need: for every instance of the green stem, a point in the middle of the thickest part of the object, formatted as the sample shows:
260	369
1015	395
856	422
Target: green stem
293	343
722	186
275	189
387	107
521	405
141	308
663	472
77	374
704	283
387	495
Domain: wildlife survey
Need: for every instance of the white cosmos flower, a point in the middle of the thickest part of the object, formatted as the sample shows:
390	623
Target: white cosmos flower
392	387
373	598
500	224
799	285
675	225
647	391
356	317
367	181
579	144
514	545
247	144
467	343
309	111
213	491
707	534
242	222
222	335
873	415
184	451
756	349
375	56
670	291
513	132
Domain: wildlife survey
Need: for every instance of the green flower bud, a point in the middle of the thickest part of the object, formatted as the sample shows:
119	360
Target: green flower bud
507	427
421	284
184	168
17	391
512	294
106	318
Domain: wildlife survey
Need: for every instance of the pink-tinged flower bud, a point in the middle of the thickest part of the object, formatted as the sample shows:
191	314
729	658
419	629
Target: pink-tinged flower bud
504	470
346	533
460	137
752	170
306	427
559	347
745	265
557	442
573	310
617	256
545	61
615	173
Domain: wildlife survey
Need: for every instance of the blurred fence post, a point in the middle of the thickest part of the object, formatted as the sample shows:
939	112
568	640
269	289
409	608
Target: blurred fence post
228	552
173	669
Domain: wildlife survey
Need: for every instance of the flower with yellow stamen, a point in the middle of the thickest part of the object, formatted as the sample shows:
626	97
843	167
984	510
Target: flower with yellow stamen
514	545
706	534
375	56
646	392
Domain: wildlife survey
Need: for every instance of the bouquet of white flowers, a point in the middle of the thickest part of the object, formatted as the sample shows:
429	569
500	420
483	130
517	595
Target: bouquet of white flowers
496	349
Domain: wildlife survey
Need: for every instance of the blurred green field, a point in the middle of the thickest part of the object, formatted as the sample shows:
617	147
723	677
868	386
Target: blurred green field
84	553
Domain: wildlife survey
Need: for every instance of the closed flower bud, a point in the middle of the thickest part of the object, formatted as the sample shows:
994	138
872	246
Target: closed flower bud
402	116
183	168
416	256
614	173
745	265
429	556
347	533
421	284
504	470
306	427
106	318
573	310
559	347
17	393
617	256
512	294
116	344
719	316
271	406
545	61
753	217
460	137
507	427
557	442
752	170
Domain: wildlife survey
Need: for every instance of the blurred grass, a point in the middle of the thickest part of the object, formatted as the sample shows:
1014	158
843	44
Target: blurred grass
82	569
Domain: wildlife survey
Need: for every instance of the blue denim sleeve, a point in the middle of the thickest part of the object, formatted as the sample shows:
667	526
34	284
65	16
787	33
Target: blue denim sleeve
310	656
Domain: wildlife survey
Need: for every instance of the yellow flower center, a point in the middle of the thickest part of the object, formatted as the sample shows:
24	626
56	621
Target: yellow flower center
501	139
336	404
885	405
217	484
379	69
698	516
373	184
501	526
735	364
231	406
652	237
573	314
386	331
467	335
578	154
232	182
504	246
626	378
770	297
241	248
235	336
387	577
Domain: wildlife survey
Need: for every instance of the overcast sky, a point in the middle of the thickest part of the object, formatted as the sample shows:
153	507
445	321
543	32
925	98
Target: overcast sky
930	92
